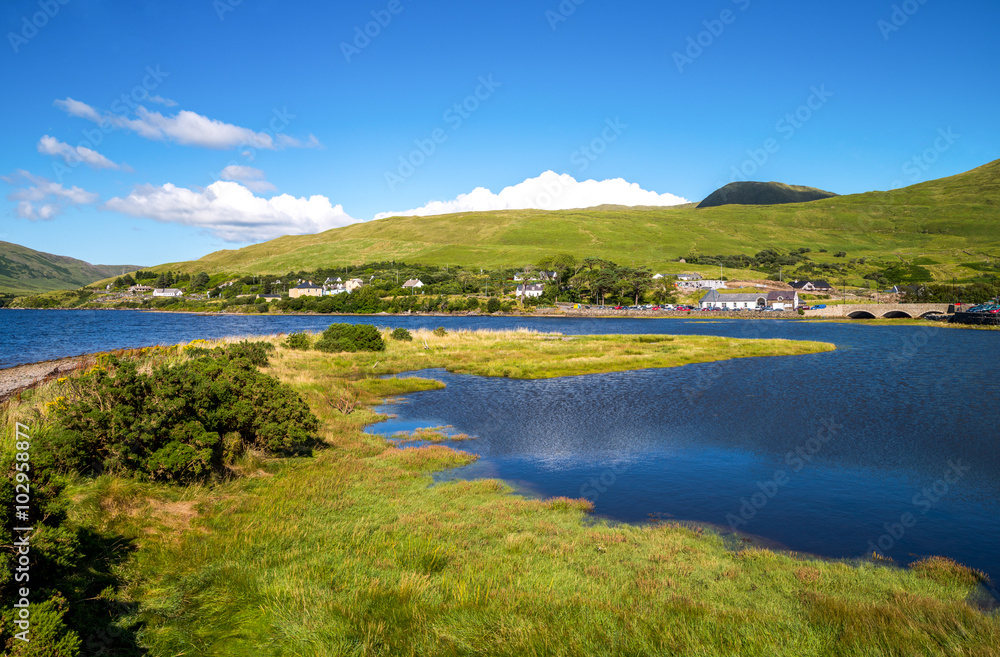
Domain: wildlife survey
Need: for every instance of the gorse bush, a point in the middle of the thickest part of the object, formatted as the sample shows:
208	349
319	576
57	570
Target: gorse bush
401	334
351	337
168	425
298	341
440	332
493	305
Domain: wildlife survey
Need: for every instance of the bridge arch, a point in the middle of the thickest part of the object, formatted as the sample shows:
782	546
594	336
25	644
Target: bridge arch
861	314
897	314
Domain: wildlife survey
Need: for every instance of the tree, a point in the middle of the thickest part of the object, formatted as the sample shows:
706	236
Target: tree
199	282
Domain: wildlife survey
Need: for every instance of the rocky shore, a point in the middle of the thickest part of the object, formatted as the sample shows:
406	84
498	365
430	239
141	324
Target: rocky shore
21	377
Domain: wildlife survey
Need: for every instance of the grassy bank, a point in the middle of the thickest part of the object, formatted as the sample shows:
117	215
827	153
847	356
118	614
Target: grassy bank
354	552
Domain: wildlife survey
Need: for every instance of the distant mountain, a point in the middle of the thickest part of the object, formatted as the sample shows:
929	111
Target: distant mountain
26	271
760	193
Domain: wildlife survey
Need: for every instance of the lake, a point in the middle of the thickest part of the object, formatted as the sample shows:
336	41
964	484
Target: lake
888	443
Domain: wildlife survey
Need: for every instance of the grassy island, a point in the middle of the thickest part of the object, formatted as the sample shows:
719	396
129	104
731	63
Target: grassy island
352	551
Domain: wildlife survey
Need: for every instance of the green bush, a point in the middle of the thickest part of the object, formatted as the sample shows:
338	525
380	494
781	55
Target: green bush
166	425
440	332
351	337
493	305
298	341
401	334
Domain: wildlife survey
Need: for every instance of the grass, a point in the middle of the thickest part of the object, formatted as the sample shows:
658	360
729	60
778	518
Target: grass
945	222
353	552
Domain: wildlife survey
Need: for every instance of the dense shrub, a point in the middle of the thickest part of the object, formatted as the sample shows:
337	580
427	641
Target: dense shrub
351	337
166	425
401	334
493	305
298	341
440	332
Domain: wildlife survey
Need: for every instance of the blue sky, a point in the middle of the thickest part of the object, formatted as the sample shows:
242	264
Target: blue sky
244	120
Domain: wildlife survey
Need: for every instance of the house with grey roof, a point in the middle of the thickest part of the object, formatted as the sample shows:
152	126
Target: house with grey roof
733	301
530	290
783	300
812	286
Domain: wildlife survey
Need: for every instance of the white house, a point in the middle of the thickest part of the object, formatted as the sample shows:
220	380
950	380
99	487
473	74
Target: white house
702	284
412	283
657	277
734	301
530	290
353	284
689	277
335	288
167	292
783	300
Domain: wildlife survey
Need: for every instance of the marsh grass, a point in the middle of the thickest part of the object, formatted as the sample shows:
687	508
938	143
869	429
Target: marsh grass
354	552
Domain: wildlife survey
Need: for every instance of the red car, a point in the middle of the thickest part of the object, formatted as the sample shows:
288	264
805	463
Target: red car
619	307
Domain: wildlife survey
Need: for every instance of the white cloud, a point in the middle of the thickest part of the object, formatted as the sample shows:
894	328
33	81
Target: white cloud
73	155
549	191
252	179
231	212
161	100
41	199
76	108
186	128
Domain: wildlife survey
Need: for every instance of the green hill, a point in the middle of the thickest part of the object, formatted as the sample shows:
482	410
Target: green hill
26	271
940	223
761	193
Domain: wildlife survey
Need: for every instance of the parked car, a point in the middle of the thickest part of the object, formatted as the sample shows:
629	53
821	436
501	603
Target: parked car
619	307
819	307
804	308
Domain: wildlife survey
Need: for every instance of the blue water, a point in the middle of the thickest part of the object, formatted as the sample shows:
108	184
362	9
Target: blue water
890	442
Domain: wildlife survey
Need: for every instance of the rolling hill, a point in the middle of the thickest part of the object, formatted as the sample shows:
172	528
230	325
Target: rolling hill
26	271
942	222
761	193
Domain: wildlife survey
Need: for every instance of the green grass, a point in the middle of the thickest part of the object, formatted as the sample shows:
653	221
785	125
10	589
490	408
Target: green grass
942	223
26	271
354	552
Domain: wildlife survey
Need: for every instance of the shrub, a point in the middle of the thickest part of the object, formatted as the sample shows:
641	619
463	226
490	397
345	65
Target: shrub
262	308
493	305
255	352
401	334
351	337
166	425
472	303
298	341
440	332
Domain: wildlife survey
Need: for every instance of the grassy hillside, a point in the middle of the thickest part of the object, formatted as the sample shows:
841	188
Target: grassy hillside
24	270
941	222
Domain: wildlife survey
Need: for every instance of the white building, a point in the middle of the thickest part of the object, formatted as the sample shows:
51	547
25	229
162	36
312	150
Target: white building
530	290
167	292
412	283
702	284
734	301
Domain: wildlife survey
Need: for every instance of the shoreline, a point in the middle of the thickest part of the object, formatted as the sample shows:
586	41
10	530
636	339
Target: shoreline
18	378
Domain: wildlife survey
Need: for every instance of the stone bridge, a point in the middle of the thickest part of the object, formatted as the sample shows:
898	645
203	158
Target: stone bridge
882	310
